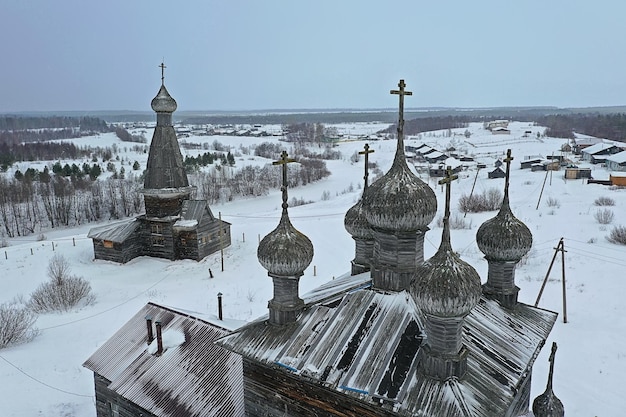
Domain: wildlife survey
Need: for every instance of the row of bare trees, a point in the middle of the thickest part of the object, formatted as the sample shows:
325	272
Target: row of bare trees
30	207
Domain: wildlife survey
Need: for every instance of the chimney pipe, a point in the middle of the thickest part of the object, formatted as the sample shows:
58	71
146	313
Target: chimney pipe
159	351
150	334
219	305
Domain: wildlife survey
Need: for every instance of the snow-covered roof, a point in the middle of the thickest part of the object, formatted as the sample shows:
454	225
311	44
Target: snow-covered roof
116	232
619	157
366	344
598	147
200	376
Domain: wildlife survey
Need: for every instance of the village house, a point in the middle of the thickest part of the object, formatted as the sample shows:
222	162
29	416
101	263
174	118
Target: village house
616	162
573	173
597	154
496	173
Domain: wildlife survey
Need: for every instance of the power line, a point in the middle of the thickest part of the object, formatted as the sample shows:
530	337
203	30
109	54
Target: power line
41	382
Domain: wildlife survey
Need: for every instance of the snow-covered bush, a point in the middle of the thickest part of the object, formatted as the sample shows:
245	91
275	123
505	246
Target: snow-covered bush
63	291
489	200
617	235
16	324
553	202
604	216
604	201
456	222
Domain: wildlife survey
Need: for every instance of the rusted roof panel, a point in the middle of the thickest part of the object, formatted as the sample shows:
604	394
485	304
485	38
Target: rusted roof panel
195	378
116	232
367	345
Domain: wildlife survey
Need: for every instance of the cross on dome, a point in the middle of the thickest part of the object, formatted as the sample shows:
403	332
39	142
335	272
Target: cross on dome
366	152
284	160
447	180
401	92
162	66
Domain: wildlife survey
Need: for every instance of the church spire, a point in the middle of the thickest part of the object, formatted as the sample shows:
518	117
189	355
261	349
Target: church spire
285	253
445	289
504	240
547	404
399	206
356	224
165	185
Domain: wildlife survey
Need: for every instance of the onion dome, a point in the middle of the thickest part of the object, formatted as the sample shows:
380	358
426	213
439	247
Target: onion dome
445	285
163	102
285	251
399	200
356	223
504	237
547	404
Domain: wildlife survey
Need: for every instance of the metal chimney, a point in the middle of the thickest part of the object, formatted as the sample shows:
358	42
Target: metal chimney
149	325
159	351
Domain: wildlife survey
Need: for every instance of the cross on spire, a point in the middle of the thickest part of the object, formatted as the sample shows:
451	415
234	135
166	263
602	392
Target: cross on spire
284	160
447	180
366	152
507	161
162	66
401	92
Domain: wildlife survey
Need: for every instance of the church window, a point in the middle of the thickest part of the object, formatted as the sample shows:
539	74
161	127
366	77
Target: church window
158	240
108	244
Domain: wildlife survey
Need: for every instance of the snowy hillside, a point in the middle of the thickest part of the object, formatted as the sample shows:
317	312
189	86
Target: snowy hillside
44	377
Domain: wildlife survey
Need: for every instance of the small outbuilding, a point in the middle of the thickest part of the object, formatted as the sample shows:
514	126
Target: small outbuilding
496	173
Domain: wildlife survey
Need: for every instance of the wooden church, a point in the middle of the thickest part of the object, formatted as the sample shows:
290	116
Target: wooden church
396	336
173	227
400	336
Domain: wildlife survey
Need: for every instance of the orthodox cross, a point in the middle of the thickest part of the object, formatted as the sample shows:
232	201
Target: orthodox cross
507	161
447	180
284	160
401	92
366	152
162	66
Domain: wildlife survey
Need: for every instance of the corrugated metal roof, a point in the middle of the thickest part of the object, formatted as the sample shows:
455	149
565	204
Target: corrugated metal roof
367	345
197	378
116	232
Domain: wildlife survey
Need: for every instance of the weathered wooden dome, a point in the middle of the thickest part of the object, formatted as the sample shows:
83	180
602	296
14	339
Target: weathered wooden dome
399	201
163	102
445	285
356	223
285	251
504	237
547	404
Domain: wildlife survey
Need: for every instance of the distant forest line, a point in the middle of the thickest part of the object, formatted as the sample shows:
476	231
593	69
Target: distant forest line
18	130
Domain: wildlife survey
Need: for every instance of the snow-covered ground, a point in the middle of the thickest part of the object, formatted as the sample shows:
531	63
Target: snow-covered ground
44	377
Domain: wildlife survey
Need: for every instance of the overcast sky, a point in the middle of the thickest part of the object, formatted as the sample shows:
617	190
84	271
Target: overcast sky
269	54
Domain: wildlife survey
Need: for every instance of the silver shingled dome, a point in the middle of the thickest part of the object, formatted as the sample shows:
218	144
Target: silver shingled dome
504	237
399	200
285	251
163	102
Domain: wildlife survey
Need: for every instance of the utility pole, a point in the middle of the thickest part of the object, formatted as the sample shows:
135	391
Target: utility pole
560	247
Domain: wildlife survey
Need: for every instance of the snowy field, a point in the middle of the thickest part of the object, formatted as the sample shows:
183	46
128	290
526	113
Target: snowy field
45	378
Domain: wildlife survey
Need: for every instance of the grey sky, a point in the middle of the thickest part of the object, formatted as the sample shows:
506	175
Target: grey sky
269	54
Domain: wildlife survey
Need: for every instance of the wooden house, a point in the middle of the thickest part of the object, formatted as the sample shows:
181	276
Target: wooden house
435	156
528	163
496	173
173	227
440	171
164	363
616	162
500	131
598	153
